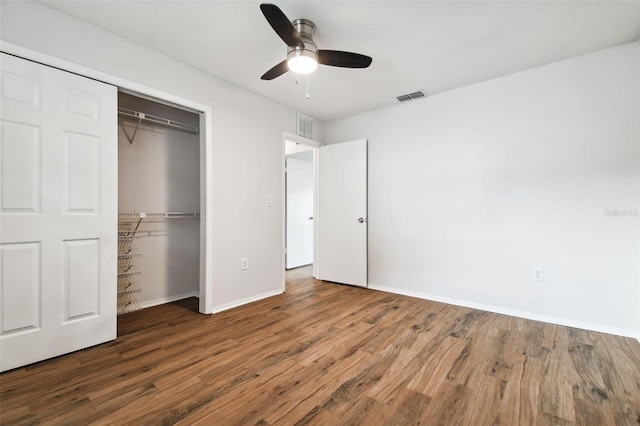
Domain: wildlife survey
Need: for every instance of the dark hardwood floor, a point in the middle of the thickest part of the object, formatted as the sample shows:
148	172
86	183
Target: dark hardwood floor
329	354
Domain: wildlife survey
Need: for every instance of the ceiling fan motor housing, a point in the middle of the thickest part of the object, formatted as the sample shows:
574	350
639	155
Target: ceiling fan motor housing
306	29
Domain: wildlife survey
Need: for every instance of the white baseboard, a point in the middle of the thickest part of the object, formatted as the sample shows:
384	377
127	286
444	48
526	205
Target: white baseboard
512	312
241	302
168	299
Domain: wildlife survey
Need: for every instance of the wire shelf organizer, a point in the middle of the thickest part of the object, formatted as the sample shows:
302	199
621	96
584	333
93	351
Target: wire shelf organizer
132	227
140	117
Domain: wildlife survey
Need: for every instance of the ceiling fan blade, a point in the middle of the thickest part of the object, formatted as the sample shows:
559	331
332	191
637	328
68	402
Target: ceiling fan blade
338	58
276	71
281	24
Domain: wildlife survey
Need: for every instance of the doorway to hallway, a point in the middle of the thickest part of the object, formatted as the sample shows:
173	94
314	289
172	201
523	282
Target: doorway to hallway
299	204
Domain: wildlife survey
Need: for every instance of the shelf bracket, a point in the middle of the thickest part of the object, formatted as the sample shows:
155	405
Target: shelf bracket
130	139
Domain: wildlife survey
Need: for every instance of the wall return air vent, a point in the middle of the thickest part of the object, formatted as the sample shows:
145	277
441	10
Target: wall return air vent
305	126
409	96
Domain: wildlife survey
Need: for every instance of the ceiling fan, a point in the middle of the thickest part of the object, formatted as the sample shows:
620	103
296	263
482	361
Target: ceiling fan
303	55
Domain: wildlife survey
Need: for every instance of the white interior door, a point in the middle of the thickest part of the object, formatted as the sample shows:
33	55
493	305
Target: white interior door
342	227
299	212
58	211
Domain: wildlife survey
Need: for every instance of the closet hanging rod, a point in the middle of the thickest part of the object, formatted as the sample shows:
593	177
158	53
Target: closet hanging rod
161	121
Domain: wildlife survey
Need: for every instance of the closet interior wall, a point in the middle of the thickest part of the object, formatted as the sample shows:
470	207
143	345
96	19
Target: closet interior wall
160	172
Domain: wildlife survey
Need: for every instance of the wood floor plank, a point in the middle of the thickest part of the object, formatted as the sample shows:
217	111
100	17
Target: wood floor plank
409	409
331	375
437	368
400	371
520	396
446	406
326	354
484	406
559	377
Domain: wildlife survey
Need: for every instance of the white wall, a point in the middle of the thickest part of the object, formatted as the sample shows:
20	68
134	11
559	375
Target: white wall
247	140
470	189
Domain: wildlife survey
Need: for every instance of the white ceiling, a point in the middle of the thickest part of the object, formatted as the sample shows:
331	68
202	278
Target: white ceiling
417	45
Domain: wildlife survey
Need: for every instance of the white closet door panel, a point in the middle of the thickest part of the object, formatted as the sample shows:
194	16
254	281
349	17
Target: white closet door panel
21	287
82	186
81	296
58	229
21	158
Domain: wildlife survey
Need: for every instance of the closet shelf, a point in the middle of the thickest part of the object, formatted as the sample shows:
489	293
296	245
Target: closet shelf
157	215
154	119
128	238
128	273
129	234
129	255
123	293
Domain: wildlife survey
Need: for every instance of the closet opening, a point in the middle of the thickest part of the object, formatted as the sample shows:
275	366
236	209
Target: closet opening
158	203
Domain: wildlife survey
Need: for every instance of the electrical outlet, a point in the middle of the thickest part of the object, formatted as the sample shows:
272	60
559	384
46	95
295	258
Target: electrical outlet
269	200
537	274
244	263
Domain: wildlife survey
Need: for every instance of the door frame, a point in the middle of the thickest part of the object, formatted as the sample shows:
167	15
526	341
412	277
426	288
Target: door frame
206	151
286	136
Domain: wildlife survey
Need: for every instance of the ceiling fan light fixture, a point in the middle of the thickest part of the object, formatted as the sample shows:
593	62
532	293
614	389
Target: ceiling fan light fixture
302	61
303	55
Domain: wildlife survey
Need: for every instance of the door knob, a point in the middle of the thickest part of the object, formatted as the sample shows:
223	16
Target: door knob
311	218
362	220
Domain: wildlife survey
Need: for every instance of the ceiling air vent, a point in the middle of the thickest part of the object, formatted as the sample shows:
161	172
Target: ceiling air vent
409	96
305	126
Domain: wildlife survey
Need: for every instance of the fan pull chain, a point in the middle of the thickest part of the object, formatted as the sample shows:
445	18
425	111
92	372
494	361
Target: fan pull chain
307	97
